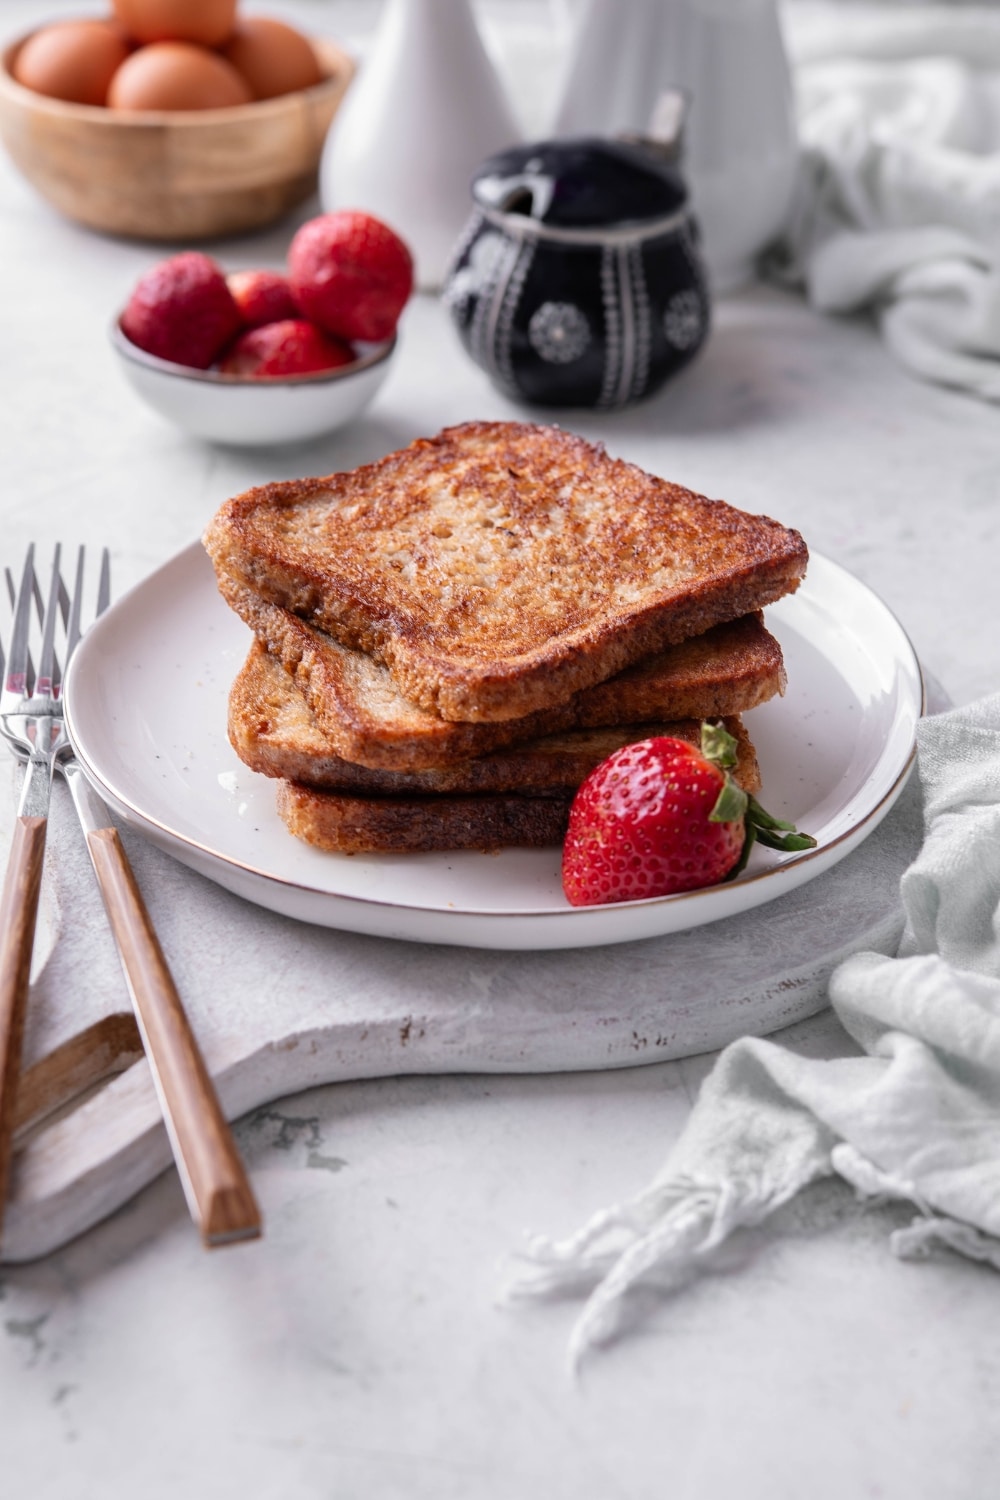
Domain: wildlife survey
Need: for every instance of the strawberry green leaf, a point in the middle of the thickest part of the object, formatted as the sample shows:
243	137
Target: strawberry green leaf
763	819
775	833
731	803
763	828
718	746
788	843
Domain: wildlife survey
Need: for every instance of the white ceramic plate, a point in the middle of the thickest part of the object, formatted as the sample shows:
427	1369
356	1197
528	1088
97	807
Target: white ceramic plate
146	709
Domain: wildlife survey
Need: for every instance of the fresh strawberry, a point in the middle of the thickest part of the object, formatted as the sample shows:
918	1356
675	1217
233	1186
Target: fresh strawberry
351	274
291	347
658	817
182	310
262	297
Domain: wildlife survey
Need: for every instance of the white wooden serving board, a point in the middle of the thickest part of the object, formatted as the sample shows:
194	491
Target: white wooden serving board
280	1006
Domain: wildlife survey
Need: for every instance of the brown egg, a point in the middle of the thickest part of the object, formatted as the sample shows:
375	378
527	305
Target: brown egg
273	58
72	60
176	75
206	21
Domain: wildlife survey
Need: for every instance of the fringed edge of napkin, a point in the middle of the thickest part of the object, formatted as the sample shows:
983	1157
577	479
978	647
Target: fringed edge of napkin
669	1232
664	1234
929	1229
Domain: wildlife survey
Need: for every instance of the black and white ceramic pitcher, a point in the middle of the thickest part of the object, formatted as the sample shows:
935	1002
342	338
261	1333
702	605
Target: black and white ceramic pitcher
579	278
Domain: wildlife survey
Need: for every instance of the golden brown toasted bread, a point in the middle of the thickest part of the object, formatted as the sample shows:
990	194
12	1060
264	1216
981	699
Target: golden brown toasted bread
273	731
351	824
501	567
362	717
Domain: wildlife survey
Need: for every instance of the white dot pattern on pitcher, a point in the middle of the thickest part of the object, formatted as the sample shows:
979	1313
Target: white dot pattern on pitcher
559	332
682	320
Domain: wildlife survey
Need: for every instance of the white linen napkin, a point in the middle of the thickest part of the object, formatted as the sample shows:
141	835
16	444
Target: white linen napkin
899	204
916	1117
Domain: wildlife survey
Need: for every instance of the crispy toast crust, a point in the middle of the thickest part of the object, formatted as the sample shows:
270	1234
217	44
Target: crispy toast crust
362	717
351	824
500	567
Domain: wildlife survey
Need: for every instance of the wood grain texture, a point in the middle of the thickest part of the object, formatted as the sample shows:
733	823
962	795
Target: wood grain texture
219	1194
18	910
182	175
77	1065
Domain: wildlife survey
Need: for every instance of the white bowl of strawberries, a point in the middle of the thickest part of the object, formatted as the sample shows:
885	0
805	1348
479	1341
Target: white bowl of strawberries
265	357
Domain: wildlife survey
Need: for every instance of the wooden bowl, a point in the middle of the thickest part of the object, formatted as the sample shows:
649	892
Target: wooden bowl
182	175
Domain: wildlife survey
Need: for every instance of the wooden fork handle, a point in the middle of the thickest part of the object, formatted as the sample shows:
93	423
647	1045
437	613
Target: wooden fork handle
18	912
215	1182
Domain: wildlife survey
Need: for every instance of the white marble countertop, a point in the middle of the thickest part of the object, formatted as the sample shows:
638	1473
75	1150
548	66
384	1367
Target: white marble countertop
359	1349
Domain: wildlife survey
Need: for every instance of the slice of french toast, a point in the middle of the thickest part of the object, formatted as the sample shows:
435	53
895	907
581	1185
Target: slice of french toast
416	822
360	715
343	824
273	731
500	567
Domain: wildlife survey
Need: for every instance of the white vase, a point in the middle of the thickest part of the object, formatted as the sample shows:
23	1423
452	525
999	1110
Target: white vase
728	56
425	109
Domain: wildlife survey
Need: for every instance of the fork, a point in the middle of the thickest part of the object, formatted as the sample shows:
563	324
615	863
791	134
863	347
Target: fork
29	720
212	1174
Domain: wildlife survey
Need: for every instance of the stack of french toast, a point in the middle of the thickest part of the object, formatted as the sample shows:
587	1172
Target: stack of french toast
446	642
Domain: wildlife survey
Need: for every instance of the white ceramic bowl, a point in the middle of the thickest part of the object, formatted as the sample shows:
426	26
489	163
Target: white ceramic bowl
239	410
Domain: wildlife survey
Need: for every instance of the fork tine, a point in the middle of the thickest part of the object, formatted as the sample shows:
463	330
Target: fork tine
10	596
16	673
63	600
104	587
36	594
45	677
76	604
